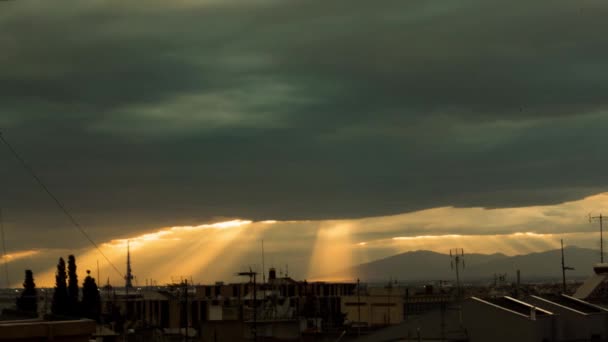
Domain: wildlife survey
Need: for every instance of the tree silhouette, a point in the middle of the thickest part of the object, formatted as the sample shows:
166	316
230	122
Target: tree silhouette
60	305
91	301
72	287
28	301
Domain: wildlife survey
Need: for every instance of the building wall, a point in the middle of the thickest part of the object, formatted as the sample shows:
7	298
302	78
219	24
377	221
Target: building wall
571	325
285	286
375	310
228	302
229	331
288	330
222	331
61	331
485	322
598	325
175	313
421	303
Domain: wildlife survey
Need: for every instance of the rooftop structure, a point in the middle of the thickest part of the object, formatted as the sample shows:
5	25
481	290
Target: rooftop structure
576	319
569	302
534	318
596	286
517	306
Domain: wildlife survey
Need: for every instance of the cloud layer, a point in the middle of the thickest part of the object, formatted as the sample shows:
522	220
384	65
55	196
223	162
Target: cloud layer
179	112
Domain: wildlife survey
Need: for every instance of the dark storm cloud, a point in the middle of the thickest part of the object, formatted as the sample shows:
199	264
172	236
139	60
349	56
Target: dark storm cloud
177	112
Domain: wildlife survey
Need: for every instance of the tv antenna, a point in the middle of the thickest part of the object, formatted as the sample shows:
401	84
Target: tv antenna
456	262
601	220
252	281
263	266
564	268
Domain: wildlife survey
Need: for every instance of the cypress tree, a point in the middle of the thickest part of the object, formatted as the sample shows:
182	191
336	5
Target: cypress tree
60	305
91	300
72	286
28	301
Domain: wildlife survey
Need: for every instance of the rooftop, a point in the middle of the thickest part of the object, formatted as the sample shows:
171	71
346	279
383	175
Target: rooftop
516	305
573	303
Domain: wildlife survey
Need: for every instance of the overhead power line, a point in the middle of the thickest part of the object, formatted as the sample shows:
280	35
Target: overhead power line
71	218
4	254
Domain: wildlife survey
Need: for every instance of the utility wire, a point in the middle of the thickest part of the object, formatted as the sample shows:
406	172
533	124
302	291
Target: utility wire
4	254
56	200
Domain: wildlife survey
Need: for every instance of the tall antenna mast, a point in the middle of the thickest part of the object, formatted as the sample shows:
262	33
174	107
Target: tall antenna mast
601	219
564	269
4	254
456	262
252	281
263	267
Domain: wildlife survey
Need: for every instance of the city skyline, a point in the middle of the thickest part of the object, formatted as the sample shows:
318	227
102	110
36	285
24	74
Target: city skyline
357	129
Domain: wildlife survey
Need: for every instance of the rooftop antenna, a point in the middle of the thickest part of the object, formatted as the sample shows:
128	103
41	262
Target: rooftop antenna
4	254
564	268
601	219
252	280
263	266
457	261
358	307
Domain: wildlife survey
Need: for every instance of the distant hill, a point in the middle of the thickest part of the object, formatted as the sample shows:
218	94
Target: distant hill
426	265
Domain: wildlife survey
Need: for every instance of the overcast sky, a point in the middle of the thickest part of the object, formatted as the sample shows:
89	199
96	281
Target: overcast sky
170	113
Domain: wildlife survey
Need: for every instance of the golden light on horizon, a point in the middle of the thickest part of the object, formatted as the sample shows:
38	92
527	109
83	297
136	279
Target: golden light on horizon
427	237
510	244
531	234
322	248
332	251
9	257
217	225
141	240
174	251
198	254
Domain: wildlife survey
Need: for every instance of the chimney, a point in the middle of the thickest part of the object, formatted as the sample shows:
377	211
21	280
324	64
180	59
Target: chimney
272	274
